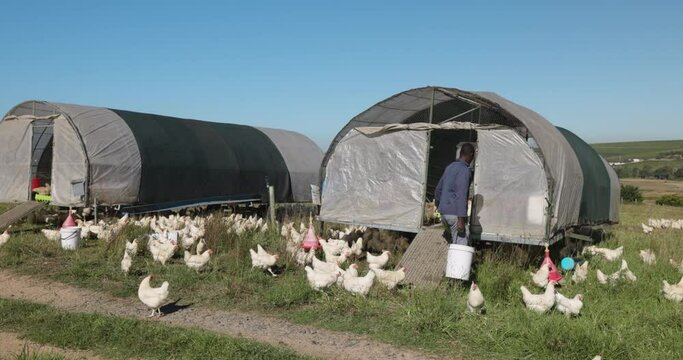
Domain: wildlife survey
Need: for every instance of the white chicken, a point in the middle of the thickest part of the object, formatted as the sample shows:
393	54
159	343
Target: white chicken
389	278
126	262
132	247
187	241
359	285
154	298
201	244
648	256
337	259
569	306
539	303
197	262
626	272
323	265
123	220
5	236
607	279
85	232
673	292
52	235
320	279
262	259
646	229
475	299
162	251
540	277
580	273
105	234
357	247
676	265
379	260
330	248
304	257
351	271
607	254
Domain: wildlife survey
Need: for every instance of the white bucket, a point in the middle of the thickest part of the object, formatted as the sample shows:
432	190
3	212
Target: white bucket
459	261
71	237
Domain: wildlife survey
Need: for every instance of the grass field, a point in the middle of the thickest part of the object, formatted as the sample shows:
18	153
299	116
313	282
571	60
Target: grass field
653	188
125	338
622	151
626	321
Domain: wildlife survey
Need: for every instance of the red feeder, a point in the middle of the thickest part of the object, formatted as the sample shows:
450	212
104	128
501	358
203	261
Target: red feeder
311	240
35	183
69	222
553	275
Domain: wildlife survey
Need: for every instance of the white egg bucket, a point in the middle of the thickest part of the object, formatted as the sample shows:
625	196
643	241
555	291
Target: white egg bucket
459	261
71	237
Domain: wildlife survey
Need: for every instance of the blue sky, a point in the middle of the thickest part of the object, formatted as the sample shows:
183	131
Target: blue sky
607	70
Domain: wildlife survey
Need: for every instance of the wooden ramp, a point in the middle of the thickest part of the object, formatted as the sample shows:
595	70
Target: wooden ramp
18	212
425	259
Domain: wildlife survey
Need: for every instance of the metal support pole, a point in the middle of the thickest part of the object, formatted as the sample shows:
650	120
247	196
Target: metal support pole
271	203
426	163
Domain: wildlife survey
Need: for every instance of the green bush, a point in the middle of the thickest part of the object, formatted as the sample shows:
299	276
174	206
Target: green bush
631	194
671	200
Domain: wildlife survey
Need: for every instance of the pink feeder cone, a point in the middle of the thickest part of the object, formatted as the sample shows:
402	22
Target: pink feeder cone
69	222
553	275
311	240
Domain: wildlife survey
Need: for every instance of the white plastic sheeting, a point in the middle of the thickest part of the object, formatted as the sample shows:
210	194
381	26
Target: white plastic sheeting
510	187
15	158
615	192
377	180
303	158
113	154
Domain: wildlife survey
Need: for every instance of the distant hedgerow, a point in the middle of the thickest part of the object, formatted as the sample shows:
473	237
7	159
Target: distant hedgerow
631	194
671	200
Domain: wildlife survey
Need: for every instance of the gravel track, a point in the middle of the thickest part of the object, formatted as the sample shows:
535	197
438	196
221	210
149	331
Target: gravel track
303	339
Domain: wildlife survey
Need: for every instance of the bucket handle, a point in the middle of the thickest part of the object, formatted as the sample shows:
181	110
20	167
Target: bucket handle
73	235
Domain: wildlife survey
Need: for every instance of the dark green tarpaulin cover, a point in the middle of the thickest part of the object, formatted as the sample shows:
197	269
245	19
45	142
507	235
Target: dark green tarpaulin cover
595	197
191	159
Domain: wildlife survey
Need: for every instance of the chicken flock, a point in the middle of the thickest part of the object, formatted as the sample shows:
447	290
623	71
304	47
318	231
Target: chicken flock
174	233
322	274
571	306
653	224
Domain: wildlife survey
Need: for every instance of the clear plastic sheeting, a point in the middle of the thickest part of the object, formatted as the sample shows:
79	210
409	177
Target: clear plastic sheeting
69	167
510	187
563	165
377	180
15	158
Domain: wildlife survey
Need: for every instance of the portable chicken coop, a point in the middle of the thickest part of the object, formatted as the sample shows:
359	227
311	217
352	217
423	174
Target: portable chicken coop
119	157
532	181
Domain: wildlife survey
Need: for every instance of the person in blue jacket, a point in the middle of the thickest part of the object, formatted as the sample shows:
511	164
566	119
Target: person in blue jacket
451	194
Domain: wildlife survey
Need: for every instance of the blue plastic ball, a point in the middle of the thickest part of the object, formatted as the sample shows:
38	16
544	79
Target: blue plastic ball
567	263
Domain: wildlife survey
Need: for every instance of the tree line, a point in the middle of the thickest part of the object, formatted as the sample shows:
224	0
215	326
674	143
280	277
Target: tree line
649	172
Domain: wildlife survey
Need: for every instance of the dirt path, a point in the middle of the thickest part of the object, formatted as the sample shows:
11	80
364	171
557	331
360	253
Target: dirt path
305	340
11	345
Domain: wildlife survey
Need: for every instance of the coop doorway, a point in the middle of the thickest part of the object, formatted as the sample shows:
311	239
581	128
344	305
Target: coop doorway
41	152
